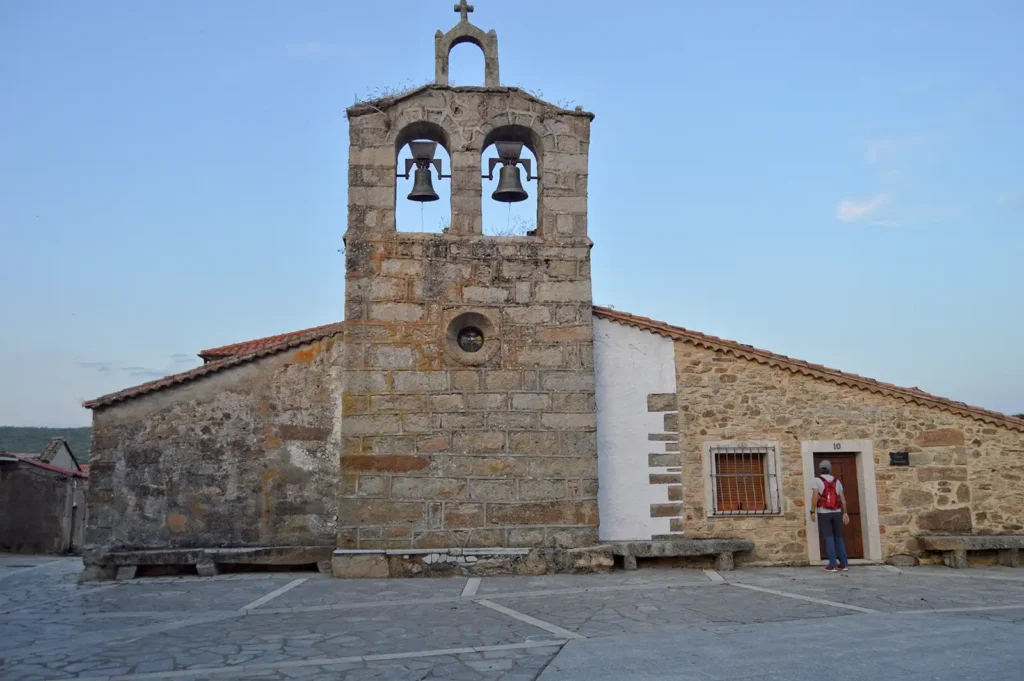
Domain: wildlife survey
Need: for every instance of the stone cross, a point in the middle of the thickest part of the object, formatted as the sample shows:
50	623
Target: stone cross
464	9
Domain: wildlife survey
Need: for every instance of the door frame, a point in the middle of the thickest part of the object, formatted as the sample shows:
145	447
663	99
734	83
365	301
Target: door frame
865	463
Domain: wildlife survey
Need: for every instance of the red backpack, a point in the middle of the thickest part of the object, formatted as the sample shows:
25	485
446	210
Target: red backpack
829	499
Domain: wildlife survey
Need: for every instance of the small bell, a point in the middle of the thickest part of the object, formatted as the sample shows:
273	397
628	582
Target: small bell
423	187
510	188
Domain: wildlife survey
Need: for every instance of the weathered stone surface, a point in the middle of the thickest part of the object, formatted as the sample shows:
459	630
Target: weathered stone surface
36	513
444	560
539	514
955	559
940	437
902	560
662	402
971	542
946	520
307	433
359	566
101	564
941	473
229	459
947	450
680	547
666	510
384	463
913	498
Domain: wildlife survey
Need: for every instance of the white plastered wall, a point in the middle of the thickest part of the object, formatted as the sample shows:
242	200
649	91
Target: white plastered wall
629	364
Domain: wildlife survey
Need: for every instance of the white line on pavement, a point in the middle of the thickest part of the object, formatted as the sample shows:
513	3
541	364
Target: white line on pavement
800	597
292	664
962	574
714	576
515	614
598	589
978	608
14	573
472	584
273	594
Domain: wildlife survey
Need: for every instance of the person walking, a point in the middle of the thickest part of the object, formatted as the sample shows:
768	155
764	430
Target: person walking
828	509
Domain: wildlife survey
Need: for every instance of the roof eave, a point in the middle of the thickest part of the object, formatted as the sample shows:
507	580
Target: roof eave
818	371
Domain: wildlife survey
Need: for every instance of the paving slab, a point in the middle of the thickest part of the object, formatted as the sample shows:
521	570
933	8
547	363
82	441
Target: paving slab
495	586
330	592
616	613
850	648
313	627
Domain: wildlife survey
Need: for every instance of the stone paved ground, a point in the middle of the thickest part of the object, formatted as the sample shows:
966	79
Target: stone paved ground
931	623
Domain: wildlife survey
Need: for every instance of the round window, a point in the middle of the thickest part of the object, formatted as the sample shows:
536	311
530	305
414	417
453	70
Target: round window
471	339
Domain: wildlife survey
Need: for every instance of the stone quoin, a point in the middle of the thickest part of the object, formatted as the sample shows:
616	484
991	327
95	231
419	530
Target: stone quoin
475	413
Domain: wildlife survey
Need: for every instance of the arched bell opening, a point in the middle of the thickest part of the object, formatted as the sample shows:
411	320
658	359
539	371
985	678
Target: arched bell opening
466	63
511	187
423	186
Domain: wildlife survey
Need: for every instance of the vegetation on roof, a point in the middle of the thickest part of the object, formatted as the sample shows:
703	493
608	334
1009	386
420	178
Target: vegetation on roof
22	440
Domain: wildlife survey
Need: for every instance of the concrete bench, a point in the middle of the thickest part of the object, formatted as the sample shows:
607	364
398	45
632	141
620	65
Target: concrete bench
954	548
722	549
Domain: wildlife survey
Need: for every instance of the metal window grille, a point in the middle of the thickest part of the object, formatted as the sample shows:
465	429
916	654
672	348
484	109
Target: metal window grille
744	481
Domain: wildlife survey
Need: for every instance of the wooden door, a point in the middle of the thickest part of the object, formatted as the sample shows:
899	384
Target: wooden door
844	468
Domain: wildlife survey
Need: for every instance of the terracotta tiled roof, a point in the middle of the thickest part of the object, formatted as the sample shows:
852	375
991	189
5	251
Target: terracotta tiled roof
239	353
246	347
797	366
263	349
84	468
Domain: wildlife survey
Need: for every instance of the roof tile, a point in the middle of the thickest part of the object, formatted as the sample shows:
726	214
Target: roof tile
915	395
262	349
245	347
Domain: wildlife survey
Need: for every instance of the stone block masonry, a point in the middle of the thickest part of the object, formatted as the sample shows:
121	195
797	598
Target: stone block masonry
442	448
962	478
440	453
666	459
245	457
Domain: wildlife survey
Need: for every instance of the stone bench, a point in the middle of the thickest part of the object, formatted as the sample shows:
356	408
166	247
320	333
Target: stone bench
722	549
122	565
954	548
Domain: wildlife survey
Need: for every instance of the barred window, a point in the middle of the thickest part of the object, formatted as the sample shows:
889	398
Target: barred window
744	480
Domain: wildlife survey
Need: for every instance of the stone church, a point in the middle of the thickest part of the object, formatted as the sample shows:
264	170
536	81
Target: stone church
476	413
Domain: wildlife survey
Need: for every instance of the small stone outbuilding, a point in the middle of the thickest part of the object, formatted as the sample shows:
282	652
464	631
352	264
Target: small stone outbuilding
42	501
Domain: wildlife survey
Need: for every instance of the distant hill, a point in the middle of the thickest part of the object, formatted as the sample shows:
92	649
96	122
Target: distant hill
32	440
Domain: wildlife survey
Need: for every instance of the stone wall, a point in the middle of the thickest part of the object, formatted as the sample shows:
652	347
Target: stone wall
965	474
35	509
446	448
247	456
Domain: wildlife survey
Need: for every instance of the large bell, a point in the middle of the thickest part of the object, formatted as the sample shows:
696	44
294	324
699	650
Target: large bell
422	187
510	189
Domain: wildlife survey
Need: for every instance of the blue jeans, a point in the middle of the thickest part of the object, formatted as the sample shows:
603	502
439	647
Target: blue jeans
831	525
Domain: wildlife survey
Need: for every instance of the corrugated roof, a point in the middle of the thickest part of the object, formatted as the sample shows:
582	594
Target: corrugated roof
818	371
33	461
290	340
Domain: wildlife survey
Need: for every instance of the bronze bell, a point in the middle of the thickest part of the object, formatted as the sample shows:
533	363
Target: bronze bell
422	187
510	188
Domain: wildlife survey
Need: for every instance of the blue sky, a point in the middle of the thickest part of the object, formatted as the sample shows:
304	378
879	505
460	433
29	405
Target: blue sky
839	182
